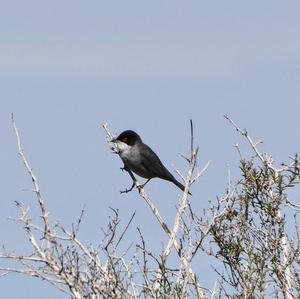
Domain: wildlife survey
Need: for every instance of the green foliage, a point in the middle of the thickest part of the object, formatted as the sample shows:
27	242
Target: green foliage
251	237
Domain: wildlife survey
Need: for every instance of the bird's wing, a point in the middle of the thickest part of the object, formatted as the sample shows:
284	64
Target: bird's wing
152	163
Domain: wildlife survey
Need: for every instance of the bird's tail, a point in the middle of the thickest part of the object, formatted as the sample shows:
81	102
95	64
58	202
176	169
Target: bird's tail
178	184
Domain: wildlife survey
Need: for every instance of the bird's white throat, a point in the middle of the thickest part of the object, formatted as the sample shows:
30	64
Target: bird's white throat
122	147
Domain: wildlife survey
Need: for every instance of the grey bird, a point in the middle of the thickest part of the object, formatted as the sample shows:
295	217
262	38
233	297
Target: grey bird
141	159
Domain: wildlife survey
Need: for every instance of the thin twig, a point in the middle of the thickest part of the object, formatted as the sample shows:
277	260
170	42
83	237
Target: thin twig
245	133
33	178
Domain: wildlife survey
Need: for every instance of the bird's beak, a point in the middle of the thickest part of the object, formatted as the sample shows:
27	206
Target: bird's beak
114	145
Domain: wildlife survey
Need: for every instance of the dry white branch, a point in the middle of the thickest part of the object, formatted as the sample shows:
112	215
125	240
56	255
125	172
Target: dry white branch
61	259
36	187
245	134
182	204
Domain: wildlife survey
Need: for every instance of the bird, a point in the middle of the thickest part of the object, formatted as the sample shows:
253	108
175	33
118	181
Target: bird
139	158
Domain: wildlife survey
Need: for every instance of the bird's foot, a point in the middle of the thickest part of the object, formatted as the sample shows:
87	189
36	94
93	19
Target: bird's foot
140	187
128	190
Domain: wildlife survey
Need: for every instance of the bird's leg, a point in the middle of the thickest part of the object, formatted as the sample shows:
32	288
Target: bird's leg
143	185
130	172
128	190
134	180
124	168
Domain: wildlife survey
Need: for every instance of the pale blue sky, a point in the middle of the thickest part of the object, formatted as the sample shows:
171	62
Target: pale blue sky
150	66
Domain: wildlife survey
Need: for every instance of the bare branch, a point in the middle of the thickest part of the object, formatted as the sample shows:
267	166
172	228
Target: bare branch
245	133
33	178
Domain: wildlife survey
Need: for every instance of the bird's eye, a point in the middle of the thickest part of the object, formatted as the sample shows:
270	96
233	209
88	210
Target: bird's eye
125	139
